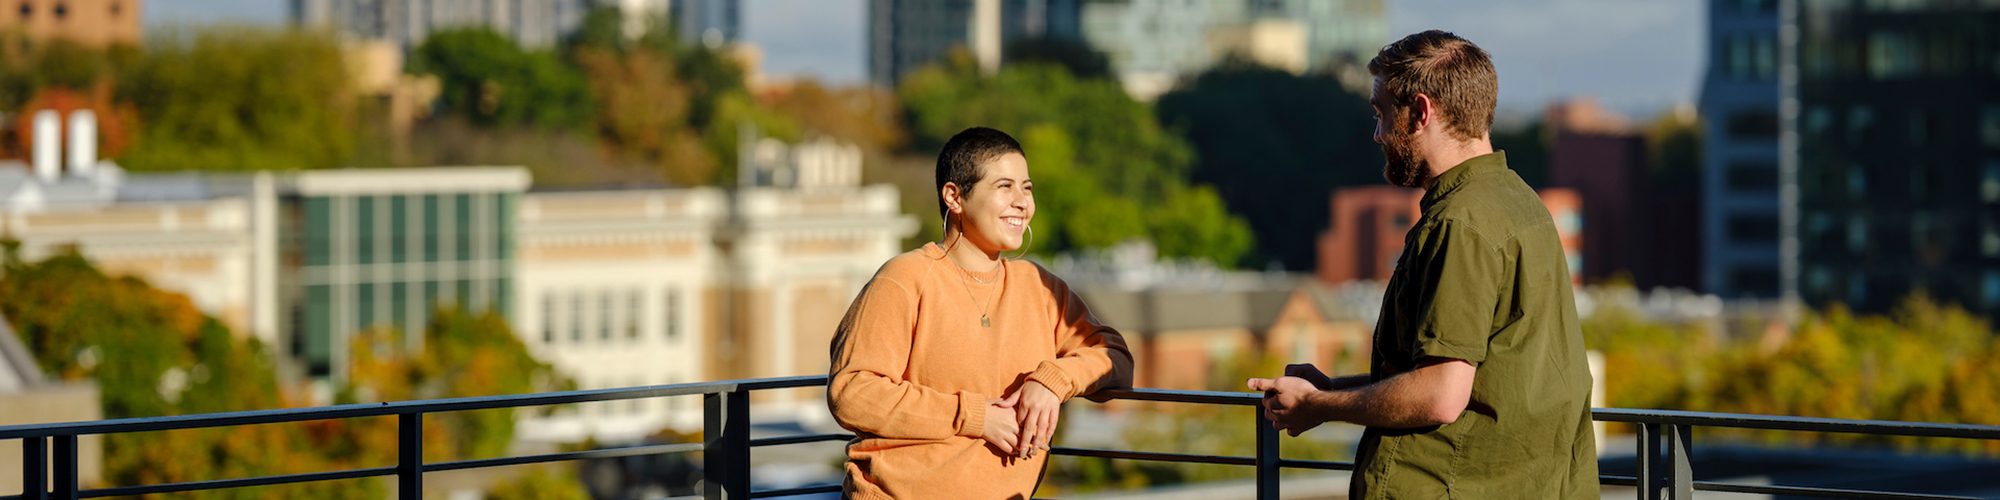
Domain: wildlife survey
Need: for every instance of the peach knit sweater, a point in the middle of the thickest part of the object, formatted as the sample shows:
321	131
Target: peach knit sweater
912	370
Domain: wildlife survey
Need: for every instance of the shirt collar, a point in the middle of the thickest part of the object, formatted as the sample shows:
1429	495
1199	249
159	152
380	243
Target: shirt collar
1451	179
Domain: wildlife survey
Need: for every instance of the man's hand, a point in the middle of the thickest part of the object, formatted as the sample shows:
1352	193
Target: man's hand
1311	374
1001	427
1039	410
1284	401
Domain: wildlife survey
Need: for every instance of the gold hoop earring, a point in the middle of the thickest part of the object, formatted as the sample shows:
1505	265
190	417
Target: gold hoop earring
1024	245
950	241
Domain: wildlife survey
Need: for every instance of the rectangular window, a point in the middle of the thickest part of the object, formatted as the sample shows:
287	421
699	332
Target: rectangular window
318	342
433	238
1764	57
502	293
399	229
1753	124
462	227
605	315
431	301
399	306
1818	120
364	305
505	223
1857	234
364	229
549	325
673	314
1751	176
319	231
1857	181
1753	229
576	317
1860	122
1892	55
1761	282
633	306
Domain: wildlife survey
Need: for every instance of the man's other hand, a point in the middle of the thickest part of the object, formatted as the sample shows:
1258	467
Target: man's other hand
1285	403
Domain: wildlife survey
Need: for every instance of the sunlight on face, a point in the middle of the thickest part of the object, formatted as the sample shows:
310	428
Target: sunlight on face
997	210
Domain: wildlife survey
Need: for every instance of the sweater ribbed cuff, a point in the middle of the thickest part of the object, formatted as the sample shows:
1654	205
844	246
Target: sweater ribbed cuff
1052	377
971	414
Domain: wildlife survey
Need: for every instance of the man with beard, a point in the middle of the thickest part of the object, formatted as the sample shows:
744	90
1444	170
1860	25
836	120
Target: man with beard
1478	387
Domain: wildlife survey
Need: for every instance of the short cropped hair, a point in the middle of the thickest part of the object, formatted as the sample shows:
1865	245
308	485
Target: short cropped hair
963	156
1457	75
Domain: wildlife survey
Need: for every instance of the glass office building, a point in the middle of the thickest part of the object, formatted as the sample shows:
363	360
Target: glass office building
385	248
1899	157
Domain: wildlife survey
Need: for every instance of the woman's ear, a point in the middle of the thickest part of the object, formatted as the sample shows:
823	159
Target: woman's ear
952	200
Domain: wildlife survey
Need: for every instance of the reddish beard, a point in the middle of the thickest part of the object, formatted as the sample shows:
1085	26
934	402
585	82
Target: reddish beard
1402	165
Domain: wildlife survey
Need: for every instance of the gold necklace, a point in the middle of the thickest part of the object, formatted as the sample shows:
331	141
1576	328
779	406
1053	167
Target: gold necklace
984	322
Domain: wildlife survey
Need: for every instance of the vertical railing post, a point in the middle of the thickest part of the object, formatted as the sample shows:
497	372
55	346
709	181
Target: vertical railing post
1649	450
65	467
726	451
1680	448
1267	455
35	468
410	456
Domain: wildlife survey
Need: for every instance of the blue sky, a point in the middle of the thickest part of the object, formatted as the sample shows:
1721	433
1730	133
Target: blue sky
1638	56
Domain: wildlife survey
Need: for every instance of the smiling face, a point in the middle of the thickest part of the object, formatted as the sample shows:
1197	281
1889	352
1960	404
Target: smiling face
995	211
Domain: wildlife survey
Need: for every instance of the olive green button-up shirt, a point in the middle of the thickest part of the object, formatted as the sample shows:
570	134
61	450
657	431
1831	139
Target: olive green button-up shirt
1483	279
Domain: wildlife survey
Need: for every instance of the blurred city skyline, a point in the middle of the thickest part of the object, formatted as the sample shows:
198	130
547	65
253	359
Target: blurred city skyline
1638	57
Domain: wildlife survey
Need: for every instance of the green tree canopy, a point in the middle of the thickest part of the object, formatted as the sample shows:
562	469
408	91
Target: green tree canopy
492	81
1275	146
238	99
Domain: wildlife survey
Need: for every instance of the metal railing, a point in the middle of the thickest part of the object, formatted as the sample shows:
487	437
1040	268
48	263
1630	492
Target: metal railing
1664	443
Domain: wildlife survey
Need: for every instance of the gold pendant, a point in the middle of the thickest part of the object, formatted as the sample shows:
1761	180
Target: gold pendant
983	322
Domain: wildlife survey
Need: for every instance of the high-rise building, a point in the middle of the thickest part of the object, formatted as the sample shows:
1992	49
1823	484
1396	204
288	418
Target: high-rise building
907	34
1898	157
710	22
531	23
1152	44
1739	106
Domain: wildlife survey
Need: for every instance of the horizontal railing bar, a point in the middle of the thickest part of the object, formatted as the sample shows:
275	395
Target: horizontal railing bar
396	407
1807	424
805	438
1314	464
1180	396
629	451
808	490
1791	490
1821	492
219	484
1157	457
